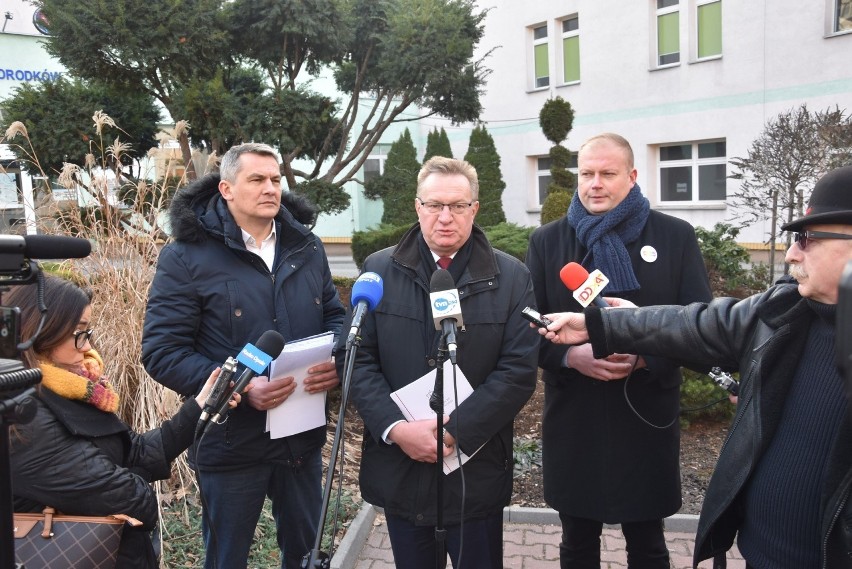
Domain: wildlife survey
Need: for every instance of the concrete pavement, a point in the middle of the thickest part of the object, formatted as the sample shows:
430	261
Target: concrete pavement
531	541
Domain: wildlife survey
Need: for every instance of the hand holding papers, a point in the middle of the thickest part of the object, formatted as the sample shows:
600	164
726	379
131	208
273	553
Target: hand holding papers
302	410
413	401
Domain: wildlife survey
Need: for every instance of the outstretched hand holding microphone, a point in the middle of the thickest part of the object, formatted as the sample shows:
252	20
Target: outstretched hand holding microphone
587	290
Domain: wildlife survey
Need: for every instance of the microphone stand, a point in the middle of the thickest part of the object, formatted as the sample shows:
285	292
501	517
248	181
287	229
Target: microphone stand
436	402
316	558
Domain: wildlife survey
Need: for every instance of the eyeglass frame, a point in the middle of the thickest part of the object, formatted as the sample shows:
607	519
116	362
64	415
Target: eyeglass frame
802	237
85	334
461	206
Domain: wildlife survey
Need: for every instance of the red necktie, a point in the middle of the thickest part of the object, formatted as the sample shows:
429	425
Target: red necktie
444	262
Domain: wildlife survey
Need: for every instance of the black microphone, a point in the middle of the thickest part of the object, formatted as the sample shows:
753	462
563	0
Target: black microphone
214	398
366	294
446	308
256	359
45	246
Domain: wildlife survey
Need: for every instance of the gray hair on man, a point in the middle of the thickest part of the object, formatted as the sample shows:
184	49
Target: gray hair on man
448	167
230	165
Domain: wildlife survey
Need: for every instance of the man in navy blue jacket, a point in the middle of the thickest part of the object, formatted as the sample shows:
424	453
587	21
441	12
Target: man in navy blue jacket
242	263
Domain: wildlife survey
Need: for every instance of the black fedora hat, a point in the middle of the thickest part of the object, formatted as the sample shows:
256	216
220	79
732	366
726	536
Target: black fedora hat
831	201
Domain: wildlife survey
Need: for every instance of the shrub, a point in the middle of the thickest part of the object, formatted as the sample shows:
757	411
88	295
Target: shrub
702	399
509	238
366	242
555	206
728	263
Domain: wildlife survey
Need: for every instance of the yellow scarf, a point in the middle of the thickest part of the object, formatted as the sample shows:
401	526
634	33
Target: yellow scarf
85	385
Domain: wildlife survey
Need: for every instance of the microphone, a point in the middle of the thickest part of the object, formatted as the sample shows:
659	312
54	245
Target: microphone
446	309
366	294
255	359
586	286
45	246
214	398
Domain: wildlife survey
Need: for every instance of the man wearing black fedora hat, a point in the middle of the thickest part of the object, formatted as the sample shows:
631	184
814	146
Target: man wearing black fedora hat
782	484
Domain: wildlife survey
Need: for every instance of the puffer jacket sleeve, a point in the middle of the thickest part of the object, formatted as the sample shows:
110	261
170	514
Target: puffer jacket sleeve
172	318
50	466
152	453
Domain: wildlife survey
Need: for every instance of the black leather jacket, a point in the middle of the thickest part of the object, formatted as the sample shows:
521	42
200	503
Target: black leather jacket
763	337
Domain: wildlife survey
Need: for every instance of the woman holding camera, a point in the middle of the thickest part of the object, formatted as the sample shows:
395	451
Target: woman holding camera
76	455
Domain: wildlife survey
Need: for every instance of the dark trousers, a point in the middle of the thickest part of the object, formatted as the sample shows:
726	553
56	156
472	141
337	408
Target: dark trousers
581	544
481	547
234	500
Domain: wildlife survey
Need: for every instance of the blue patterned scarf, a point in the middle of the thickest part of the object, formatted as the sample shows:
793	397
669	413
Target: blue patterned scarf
604	236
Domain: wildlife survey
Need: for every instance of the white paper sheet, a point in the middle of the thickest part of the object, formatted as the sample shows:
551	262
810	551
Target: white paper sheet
413	401
301	411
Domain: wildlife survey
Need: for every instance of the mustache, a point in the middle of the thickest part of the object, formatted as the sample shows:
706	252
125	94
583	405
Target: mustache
798	272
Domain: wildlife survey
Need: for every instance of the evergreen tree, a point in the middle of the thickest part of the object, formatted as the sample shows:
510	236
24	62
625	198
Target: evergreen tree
482	155
397	186
58	117
556	120
437	144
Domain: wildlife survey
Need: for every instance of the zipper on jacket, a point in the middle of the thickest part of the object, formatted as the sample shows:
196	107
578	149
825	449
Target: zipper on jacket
828	531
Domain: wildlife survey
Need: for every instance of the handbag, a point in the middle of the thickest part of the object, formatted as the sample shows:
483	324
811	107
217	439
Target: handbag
49	540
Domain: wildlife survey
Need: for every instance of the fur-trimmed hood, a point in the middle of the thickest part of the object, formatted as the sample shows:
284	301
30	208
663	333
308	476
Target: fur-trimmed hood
199	209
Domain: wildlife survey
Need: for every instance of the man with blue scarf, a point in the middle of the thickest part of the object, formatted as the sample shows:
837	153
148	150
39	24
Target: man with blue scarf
611	434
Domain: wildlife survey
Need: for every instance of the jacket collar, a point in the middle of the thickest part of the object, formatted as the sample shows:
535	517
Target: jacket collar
784	305
482	264
199	211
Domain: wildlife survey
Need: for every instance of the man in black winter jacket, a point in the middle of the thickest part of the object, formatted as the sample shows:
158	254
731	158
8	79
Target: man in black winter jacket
241	263
497	354
782	483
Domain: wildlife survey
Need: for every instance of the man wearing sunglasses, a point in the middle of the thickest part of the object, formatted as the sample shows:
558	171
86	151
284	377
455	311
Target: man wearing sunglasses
782	483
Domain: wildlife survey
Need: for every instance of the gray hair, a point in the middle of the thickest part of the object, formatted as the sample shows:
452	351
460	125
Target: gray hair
230	165
448	167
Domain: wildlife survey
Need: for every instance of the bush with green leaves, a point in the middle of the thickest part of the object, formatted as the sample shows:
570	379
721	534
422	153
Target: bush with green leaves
701	399
555	206
366	242
729	264
509	238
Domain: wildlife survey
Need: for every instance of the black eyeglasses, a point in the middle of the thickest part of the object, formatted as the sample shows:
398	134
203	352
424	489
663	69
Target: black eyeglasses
81	337
804	237
438	207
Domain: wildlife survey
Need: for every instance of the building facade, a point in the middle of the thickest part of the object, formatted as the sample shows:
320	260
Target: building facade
690	83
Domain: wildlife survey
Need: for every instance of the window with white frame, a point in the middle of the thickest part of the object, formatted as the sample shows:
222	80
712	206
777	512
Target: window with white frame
843	16
693	172
571	49
668	32
543	177
708	28
374	165
540	60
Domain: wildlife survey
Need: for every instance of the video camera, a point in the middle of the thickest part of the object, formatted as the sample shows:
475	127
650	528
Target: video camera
17	384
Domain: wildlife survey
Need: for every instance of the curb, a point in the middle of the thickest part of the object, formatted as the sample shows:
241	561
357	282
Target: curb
346	555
